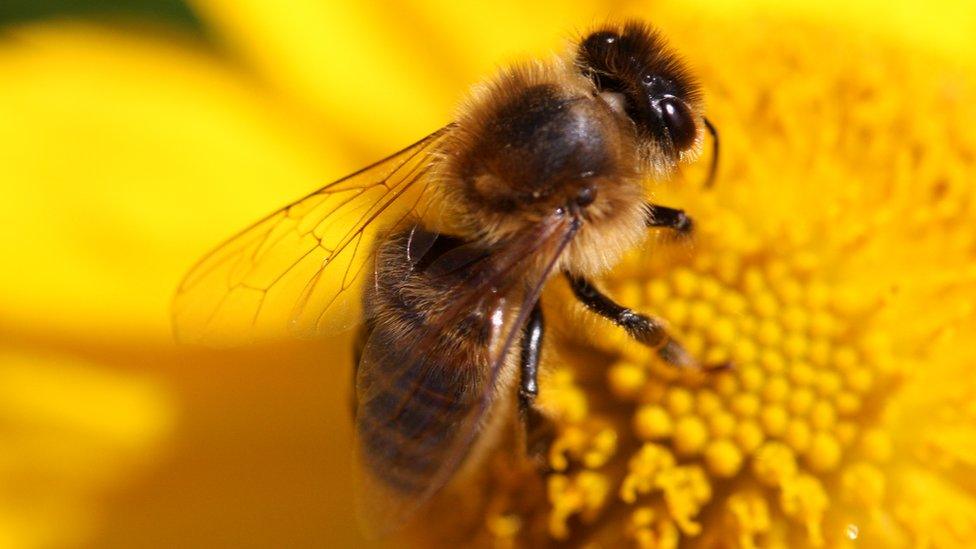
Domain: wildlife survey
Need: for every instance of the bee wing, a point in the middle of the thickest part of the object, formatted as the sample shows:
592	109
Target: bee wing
407	452
295	270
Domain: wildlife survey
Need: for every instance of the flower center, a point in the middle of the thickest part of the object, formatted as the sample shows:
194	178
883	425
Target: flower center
794	413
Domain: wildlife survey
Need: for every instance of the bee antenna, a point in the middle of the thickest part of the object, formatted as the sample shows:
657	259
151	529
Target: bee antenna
713	169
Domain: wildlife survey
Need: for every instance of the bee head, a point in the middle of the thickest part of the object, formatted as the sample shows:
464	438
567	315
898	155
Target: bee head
638	75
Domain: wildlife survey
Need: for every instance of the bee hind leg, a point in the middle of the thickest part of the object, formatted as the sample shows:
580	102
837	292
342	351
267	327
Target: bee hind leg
642	328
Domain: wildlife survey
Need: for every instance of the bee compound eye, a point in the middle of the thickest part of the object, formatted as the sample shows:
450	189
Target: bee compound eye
679	121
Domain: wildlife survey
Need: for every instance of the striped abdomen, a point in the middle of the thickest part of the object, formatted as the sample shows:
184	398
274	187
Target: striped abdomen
420	382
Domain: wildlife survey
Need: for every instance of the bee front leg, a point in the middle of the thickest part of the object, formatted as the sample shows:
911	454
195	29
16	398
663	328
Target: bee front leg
642	328
668	218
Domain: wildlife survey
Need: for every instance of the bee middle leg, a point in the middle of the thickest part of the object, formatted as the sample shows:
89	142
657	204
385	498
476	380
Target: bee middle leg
642	328
537	429
529	360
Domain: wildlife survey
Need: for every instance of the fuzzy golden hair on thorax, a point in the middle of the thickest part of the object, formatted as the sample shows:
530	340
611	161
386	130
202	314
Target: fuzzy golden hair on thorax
525	142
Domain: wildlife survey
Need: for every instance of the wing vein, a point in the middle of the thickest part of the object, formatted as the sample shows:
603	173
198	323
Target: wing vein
277	268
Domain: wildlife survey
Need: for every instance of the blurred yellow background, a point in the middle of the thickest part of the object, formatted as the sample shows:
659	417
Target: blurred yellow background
135	136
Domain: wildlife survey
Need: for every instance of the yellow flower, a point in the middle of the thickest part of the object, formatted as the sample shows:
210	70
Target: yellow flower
124	156
63	420
833	266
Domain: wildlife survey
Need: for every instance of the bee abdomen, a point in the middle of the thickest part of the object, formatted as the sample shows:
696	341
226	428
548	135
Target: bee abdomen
417	384
407	427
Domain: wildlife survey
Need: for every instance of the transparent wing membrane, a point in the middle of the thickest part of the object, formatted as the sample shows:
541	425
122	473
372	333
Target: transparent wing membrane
297	270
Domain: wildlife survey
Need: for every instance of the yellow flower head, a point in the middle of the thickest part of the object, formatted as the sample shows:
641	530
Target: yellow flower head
833	268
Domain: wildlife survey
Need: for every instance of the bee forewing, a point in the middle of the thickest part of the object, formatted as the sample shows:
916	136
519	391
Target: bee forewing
299	270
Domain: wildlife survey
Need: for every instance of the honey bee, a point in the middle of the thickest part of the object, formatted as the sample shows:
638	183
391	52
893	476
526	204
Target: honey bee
440	252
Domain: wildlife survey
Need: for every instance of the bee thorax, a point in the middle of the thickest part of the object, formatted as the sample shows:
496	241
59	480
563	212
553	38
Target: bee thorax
534	141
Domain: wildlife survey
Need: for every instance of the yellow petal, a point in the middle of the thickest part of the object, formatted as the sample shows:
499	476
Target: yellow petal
942	26
390	71
70	431
125	158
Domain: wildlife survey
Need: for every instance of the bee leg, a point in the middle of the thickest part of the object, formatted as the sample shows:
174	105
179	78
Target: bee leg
713	167
536	428
669	218
642	328
529	361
